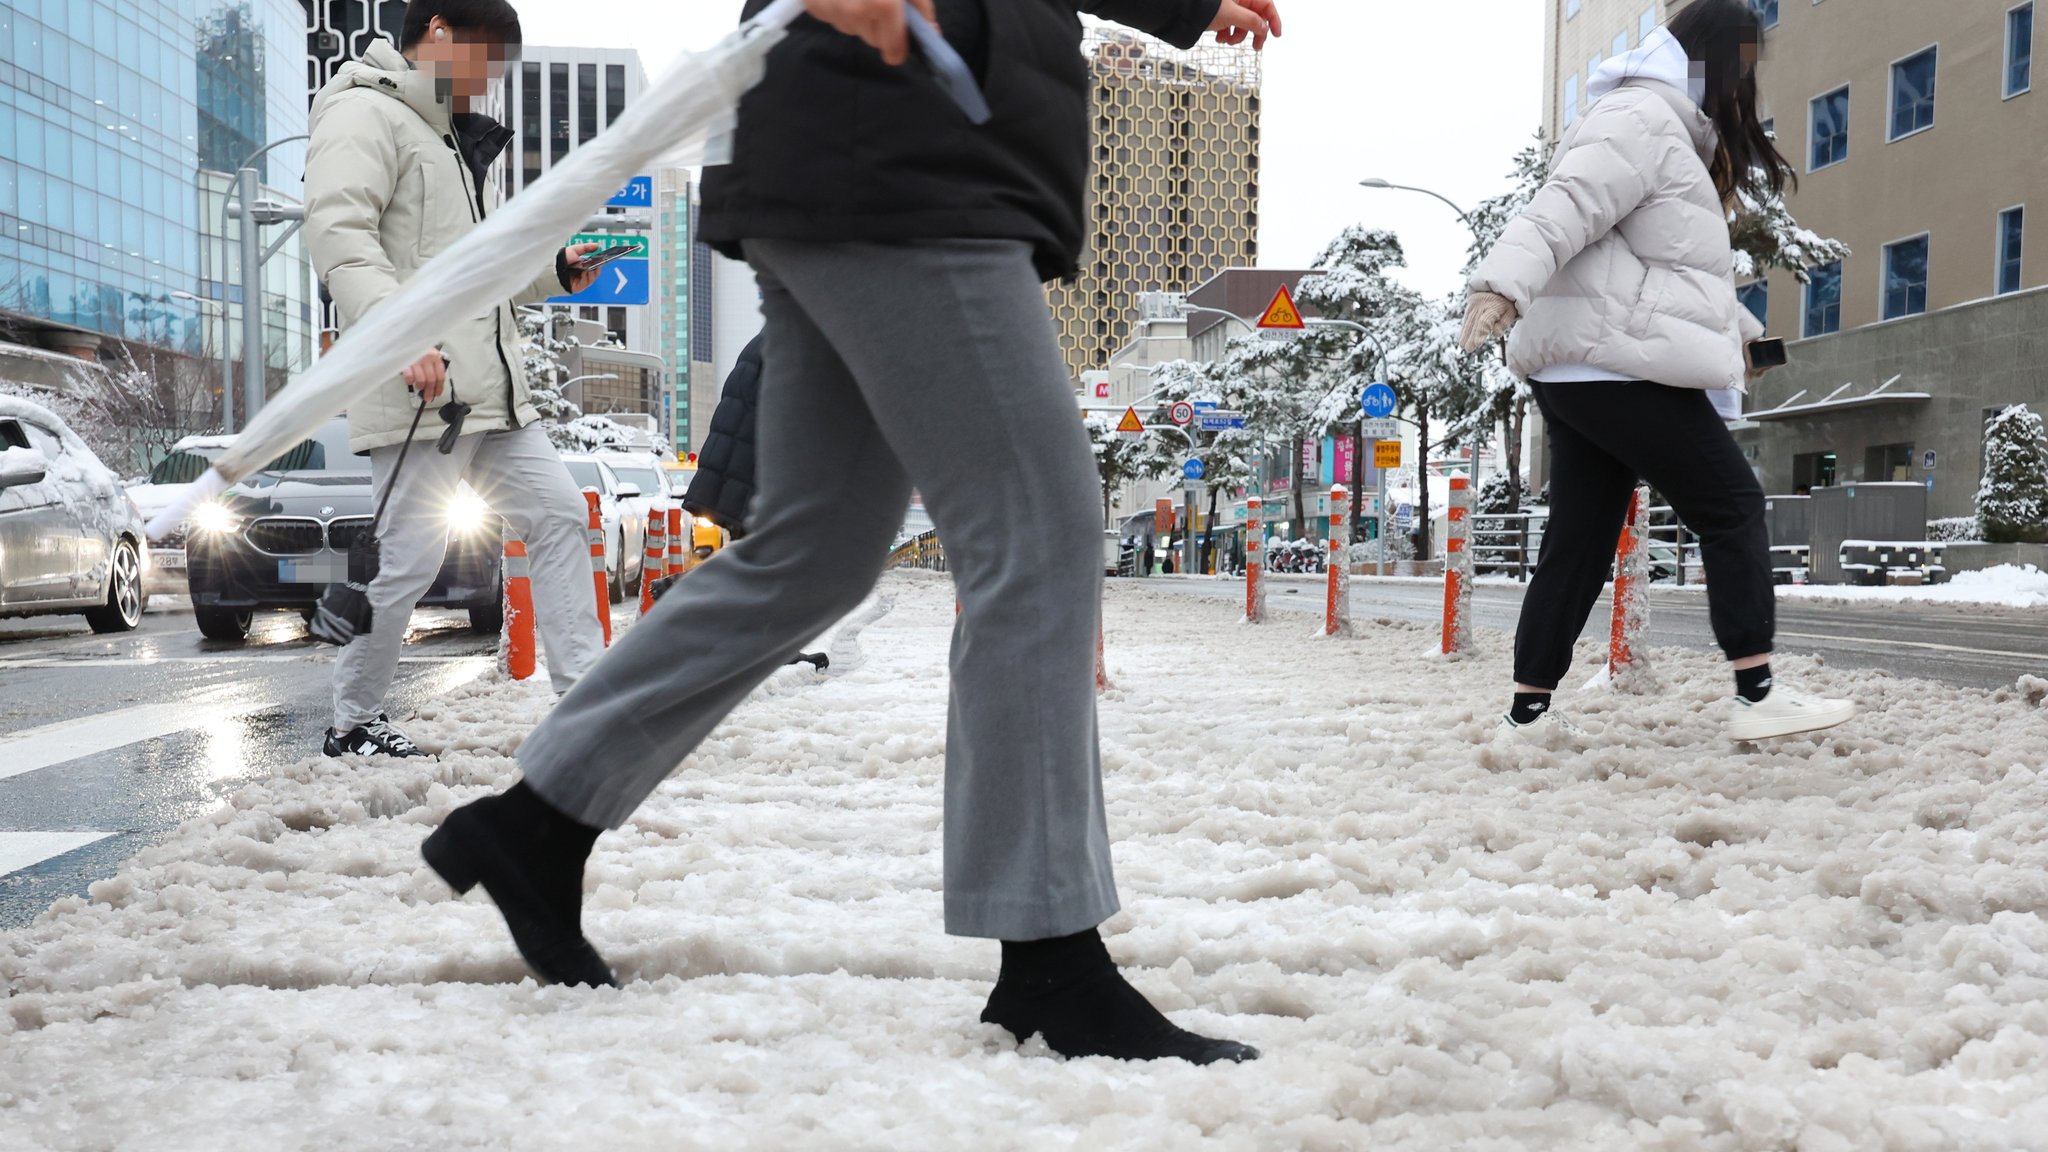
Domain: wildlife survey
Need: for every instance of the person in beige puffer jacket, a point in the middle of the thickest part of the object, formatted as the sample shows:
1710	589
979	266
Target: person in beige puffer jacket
1620	273
395	175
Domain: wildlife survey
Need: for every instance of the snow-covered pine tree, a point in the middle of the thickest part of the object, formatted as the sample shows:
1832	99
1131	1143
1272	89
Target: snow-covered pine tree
545	340
2012	501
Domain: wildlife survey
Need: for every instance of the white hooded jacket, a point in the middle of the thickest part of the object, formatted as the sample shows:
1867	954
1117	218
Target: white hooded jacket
1622	263
387	189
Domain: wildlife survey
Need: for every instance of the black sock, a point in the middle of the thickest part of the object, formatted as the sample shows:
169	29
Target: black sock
1068	990
1529	706
1753	684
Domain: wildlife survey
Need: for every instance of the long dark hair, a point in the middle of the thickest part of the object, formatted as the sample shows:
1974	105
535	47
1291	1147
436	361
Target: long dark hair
1725	39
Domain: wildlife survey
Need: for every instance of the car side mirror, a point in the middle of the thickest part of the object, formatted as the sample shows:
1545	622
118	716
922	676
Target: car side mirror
628	491
22	466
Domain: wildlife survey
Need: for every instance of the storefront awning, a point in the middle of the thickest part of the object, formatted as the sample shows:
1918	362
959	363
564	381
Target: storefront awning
1834	402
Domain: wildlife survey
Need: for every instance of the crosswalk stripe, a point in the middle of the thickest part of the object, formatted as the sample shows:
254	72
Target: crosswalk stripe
19	850
34	748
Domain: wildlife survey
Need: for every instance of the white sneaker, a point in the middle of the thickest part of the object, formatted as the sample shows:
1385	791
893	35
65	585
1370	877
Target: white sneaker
1549	727
1785	712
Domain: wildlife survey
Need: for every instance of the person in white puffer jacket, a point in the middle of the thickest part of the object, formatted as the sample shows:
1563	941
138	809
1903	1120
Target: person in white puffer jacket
1620	275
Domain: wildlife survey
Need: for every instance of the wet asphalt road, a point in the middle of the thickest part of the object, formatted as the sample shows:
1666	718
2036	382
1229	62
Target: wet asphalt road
108	742
1967	645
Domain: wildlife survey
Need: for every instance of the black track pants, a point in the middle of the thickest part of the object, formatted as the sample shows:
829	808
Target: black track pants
1604	438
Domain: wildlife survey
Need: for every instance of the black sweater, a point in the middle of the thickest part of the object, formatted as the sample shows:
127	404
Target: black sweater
835	145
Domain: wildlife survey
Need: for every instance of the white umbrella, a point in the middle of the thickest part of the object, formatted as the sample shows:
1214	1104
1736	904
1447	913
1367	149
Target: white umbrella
697	99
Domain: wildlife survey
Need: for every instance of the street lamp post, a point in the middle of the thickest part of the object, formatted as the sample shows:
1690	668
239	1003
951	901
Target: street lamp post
252	260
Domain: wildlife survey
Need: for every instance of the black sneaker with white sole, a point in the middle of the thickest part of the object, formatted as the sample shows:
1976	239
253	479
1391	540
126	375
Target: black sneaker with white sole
380	737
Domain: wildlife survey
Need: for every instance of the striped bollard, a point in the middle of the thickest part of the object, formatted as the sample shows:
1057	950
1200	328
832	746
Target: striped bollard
1101	667
1337	566
679	541
1631	572
1254	561
518	635
1458	570
654	558
598	576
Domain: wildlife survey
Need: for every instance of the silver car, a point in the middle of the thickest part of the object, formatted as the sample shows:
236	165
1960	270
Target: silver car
70	539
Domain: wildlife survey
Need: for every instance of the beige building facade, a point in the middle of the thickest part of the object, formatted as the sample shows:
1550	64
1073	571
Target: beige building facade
1174	191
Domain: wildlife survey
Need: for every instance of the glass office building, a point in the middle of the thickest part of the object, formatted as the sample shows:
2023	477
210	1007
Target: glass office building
113	113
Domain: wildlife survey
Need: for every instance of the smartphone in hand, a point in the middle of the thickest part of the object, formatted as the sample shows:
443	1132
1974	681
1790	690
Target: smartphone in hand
595	260
1767	354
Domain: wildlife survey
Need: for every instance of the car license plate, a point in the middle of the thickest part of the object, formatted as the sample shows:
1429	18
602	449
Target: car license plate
168	558
315	571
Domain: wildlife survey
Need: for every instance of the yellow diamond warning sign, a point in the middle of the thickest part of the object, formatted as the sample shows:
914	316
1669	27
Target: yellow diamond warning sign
1130	422
1282	313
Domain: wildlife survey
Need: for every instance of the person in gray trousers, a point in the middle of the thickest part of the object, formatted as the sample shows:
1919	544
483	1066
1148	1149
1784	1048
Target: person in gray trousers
909	344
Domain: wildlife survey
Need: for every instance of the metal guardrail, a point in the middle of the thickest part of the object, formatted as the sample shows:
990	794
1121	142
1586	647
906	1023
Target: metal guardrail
922	552
1507	543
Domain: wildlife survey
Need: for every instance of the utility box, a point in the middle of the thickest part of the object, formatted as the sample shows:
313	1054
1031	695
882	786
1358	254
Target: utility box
1893	513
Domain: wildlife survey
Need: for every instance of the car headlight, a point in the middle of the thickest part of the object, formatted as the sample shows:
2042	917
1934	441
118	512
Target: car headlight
212	517
705	522
467	512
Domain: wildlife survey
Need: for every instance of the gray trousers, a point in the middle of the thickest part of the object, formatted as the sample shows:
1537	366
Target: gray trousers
519	474
891	365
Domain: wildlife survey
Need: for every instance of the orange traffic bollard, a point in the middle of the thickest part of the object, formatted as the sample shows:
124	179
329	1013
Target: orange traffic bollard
518	638
679	541
1254	561
1630	612
1337	566
598	575
1458	570
655	558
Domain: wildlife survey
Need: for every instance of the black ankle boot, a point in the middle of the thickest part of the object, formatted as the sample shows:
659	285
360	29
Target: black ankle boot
1069	991
530	859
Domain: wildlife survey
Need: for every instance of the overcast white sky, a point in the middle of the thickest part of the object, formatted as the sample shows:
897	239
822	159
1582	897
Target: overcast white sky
1438	94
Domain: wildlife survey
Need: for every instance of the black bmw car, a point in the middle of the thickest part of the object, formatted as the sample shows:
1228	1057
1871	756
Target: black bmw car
278	538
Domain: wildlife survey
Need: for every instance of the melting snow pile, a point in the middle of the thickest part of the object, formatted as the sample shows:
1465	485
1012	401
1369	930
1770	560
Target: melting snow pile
2007	585
1664	942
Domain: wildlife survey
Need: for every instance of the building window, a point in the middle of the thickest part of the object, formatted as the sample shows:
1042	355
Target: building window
2012	226
615	325
1913	95
1887	463
1767	10
1571	100
1757	298
529	123
1620	45
1829	120
1571	8
2019	50
558	113
614	93
1812	470
1646	23
1905	278
1823	300
586	103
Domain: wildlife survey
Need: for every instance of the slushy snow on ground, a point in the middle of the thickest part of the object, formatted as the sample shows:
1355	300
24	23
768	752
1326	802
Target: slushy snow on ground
2007	585
1665	942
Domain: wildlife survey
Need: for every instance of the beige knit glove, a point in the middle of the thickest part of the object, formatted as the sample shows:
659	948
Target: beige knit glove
1488	316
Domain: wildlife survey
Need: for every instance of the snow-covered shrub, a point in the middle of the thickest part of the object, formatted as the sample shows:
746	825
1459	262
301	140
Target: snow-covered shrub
2012	501
1955	530
589	434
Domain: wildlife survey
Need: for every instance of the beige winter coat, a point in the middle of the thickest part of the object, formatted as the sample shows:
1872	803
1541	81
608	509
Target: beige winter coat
386	190
1622	261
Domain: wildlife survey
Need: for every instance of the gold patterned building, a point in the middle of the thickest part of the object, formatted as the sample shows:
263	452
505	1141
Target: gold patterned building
1175	187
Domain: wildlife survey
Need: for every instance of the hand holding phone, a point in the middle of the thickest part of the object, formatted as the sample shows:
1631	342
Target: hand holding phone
1766	354
596	260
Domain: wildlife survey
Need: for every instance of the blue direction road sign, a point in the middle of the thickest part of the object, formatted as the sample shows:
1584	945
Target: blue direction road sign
1194	470
638	193
1206	405
1404	515
1211	422
619	282
1378	401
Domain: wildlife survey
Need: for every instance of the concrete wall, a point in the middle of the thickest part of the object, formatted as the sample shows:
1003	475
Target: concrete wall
1969	358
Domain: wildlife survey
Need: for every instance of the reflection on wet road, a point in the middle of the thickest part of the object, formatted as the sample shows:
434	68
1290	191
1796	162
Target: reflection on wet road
108	742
